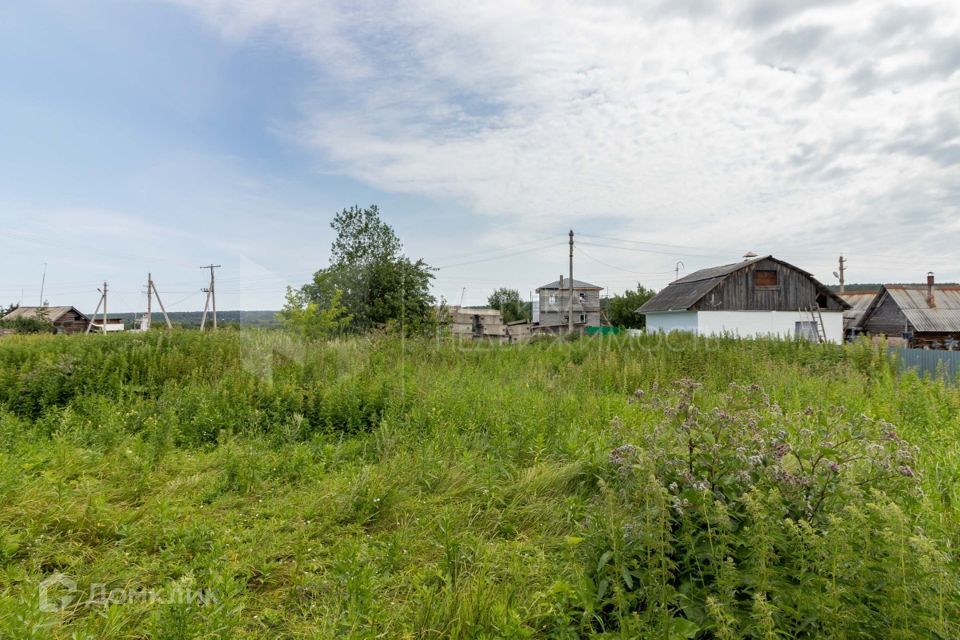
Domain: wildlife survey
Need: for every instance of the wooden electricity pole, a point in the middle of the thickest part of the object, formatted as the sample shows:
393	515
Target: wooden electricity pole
570	317
152	291
149	304
102	302
211	292
843	268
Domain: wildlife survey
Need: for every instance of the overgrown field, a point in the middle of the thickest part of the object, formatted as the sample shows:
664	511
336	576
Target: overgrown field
241	485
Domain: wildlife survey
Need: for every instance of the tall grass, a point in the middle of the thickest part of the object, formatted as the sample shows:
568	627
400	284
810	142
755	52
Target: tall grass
379	488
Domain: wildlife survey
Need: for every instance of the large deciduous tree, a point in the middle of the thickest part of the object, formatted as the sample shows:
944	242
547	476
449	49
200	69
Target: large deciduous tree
510	304
622	309
369	281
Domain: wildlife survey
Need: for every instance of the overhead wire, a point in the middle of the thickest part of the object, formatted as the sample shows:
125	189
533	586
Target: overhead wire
500	256
613	266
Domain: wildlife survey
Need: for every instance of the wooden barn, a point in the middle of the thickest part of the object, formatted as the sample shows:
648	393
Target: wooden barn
760	296
64	319
925	316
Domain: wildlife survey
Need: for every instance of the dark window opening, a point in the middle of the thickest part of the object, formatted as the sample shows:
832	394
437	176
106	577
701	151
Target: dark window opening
822	301
765	278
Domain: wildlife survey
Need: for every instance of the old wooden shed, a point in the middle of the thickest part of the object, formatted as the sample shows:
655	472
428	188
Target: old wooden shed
64	319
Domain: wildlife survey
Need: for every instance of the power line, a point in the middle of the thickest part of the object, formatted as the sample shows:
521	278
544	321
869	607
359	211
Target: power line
499	256
637	250
664	244
613	266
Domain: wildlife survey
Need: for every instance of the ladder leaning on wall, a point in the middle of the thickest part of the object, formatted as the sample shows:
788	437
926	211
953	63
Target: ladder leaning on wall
817	319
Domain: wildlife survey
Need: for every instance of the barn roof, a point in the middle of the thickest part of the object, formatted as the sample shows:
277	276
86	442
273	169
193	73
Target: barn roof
682	294
859	302
577	284
943	316
53	314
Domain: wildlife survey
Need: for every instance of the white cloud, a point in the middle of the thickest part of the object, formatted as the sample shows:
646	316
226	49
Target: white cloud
777	125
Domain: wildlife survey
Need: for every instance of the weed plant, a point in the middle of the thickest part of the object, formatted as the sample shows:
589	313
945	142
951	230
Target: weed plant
378	487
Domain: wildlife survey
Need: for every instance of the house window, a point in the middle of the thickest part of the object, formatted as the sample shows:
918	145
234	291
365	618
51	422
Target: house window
583	298
552	299
806	331
765	278
583	318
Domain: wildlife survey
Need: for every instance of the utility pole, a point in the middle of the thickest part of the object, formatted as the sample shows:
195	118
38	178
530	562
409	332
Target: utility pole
843	268
145	326
152	291
43	283
211	292
570	317
103	303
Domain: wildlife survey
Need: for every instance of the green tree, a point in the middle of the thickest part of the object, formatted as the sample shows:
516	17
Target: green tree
309	319
369	276
510	304
622	309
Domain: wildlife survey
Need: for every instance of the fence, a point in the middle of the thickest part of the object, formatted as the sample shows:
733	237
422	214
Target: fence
929	362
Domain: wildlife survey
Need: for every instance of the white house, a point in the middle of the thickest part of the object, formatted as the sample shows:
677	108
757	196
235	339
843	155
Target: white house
758	297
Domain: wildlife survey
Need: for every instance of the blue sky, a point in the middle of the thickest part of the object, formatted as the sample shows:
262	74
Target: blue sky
161	136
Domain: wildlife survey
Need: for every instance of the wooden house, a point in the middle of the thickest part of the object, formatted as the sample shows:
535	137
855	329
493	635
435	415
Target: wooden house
926	316
760	296
64	319
551	311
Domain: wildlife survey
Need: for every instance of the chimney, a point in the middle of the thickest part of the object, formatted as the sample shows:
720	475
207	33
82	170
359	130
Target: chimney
931	300
561	282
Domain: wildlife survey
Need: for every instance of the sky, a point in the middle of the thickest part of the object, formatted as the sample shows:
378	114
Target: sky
670	135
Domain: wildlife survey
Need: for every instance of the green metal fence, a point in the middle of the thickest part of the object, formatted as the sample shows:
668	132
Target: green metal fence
929	362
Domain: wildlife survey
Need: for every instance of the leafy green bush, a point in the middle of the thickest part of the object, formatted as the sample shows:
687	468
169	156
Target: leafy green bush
27	325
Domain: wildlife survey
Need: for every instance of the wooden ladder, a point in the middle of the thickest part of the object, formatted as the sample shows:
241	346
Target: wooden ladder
818	327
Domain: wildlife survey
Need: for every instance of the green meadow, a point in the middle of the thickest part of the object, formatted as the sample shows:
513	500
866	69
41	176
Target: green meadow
246	485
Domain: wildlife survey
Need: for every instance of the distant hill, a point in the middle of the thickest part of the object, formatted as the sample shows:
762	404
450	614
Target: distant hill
191	319
852	288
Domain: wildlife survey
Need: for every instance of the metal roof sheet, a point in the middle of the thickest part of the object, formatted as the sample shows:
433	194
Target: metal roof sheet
913	296
859	302
935	320
943	316
577	284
